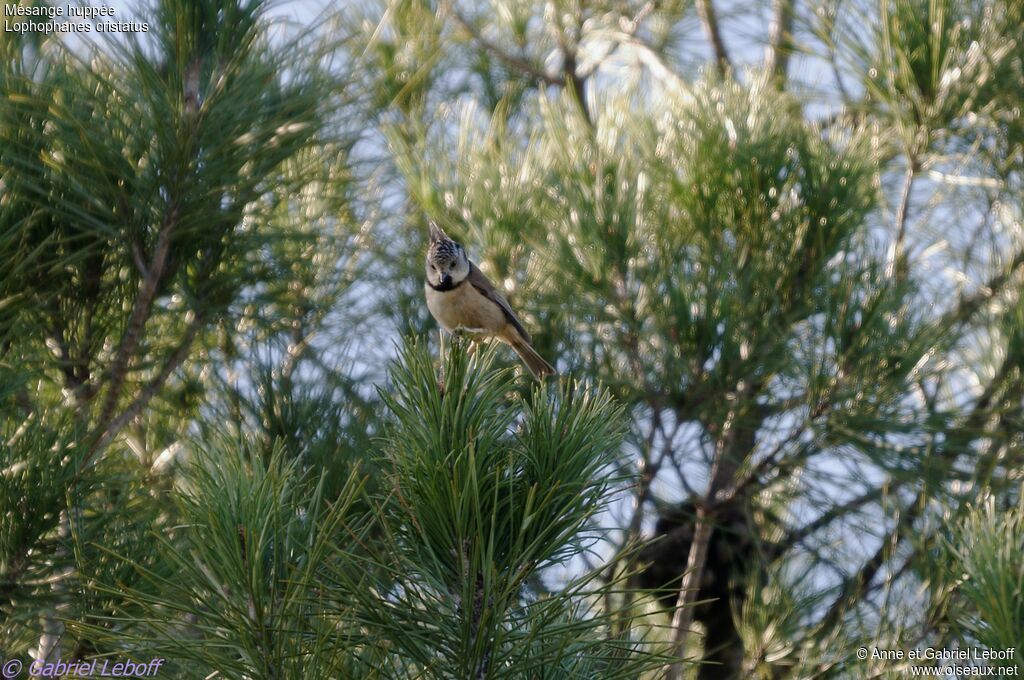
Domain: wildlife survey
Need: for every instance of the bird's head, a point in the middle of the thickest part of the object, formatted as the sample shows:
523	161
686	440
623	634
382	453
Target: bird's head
447	264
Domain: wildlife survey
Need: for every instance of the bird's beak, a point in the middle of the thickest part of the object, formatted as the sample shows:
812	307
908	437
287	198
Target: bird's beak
446	279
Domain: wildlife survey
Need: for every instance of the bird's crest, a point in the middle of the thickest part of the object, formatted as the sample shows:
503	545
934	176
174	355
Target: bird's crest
442	248
437	233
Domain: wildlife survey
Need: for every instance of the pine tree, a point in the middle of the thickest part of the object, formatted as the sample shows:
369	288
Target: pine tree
800	275
157	192
779	269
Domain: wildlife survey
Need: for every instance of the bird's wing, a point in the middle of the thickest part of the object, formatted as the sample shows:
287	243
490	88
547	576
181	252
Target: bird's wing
482	284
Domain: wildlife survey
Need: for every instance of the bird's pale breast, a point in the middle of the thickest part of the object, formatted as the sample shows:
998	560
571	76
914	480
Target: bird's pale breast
465	307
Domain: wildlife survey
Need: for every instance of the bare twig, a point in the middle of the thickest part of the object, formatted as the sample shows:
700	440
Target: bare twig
780	42
989	414
138	258
862	578
647	472
512	61
682	617
799	534
739	486
48	647
628	28
897	266
67	364
954	180
969	305
574	81
708	18
736	438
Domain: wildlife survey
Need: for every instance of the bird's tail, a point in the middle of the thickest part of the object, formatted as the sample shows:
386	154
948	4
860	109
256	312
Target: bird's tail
528	354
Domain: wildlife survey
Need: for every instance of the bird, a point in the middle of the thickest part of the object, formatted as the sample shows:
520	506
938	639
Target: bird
460	297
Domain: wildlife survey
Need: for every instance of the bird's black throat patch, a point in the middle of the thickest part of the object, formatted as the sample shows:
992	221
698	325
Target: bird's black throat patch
445	287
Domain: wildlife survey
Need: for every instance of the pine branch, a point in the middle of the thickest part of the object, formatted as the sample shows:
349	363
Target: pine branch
67	365
737	439
514	62
628	36
855	584
780	41
576	83
799	534
709	19
897	266
153	387
738	487
969	305
682	616
48	647
646	474
118	372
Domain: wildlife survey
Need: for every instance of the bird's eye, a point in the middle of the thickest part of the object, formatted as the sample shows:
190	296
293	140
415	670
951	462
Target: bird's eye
451	265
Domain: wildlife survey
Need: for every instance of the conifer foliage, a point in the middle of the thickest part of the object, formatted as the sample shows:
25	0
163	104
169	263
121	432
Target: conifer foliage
488	486
774	250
